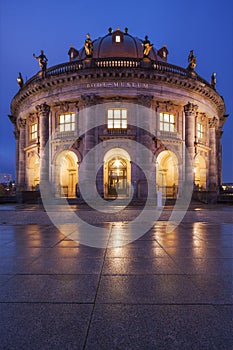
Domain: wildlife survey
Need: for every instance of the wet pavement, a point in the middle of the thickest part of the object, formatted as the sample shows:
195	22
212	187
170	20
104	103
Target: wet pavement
165	290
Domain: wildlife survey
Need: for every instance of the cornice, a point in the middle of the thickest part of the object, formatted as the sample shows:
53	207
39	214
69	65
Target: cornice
94	76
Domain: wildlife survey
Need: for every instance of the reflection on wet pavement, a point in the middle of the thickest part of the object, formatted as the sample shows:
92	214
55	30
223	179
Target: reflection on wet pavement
164	290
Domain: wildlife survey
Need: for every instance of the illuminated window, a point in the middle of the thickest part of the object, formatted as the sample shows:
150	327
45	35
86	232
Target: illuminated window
200	131
67	122
33	131
117	118
118	39
167	122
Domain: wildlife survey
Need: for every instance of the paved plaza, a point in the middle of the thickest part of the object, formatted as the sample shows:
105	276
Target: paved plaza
168	289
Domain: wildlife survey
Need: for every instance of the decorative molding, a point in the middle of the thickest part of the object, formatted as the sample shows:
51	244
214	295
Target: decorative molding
190	108
145	100
181	82
43	109
213	123
89	100
21	122
32	118
64	107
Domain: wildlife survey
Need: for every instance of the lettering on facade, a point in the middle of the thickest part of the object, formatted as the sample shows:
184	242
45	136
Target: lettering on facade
118	84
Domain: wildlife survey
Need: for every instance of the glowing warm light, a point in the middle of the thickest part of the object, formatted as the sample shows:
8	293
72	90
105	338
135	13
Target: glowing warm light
117	163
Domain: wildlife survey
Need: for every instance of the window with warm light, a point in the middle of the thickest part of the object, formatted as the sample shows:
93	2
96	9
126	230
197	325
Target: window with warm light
66	122
167	122
33	131
117	118
200	131
117	38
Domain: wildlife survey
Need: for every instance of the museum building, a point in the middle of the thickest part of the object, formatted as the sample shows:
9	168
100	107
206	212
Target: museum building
119	96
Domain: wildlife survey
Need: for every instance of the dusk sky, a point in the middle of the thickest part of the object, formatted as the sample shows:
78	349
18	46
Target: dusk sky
26	27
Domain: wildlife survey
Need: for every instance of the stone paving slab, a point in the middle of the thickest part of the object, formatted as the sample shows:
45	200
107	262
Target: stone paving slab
43	326
158	327
165	290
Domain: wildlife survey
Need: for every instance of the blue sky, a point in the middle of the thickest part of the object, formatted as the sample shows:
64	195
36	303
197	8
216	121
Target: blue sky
26	27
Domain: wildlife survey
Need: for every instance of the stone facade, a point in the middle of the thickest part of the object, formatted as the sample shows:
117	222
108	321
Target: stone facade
124	105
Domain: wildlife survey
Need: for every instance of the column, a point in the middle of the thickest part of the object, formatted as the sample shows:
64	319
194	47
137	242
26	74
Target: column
219	133
190	112
212	155
22	162
16	133
13	119
87	168
43	118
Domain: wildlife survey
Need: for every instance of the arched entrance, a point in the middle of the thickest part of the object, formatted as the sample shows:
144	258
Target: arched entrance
167	174
200	172
67	174
117	173
33	172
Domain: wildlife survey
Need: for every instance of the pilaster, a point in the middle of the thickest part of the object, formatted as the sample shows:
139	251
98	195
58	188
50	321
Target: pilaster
43	118
212	155
190	113
22	162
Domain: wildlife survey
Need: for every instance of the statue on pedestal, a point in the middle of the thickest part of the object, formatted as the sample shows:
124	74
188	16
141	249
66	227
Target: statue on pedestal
88	45
213	80
192	61
20	80
147	46
42	59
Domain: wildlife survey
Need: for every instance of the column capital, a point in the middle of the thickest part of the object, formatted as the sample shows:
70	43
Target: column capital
190	108
213	123
43	109
21	123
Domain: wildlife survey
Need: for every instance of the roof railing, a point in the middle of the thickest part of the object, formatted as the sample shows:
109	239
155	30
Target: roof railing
75	66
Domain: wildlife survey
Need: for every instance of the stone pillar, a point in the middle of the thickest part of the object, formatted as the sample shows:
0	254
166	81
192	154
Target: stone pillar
13	119
43	119
146	178
190	112
89	102
219	155
22	161
212	155
16	133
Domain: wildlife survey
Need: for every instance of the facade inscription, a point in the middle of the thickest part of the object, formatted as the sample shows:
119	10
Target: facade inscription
118	84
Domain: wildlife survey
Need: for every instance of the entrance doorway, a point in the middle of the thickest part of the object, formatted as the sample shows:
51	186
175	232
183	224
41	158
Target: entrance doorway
117	177
167	174
33	173
67	174
116	173
200	172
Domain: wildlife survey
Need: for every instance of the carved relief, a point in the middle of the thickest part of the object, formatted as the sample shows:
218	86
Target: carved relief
145	100
43	108
64	107
32	118
213	123
89	100
190	108
21	122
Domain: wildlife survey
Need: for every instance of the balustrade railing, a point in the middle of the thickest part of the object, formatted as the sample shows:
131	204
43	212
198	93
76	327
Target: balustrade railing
75	66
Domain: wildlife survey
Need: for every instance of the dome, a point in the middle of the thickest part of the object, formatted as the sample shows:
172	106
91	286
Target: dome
119	44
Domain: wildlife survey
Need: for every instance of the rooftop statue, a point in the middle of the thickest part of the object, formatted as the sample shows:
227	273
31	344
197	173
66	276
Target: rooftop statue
213	80
20	80
147	46
42	59
88	45
192	61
